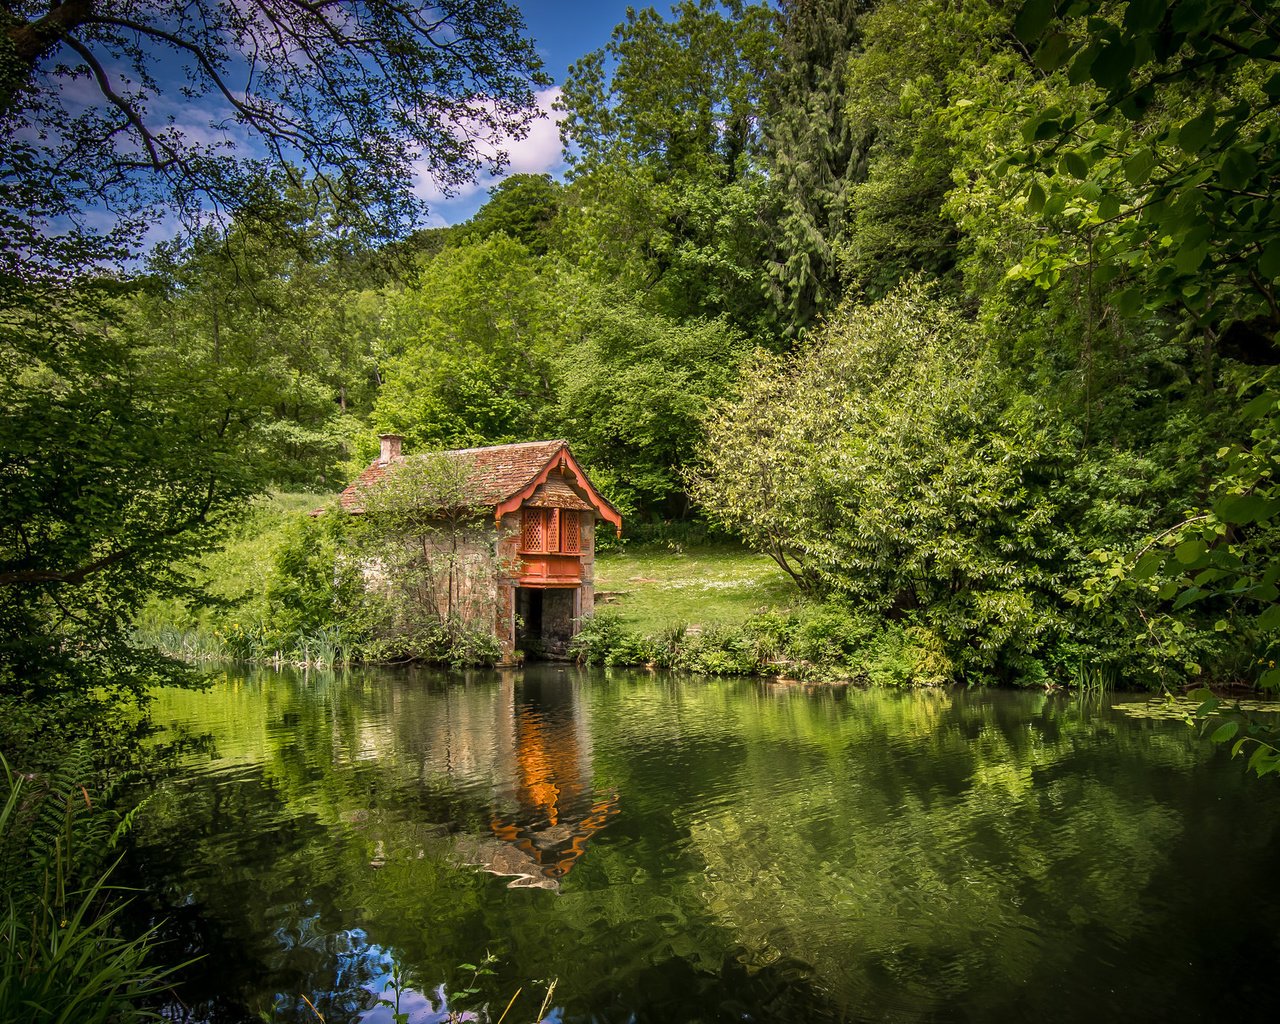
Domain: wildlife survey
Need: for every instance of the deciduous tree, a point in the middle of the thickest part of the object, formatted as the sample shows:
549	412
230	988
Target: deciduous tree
122	108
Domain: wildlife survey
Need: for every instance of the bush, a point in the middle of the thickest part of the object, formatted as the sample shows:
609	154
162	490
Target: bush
830	634
604	640
823	642
901	463
719	651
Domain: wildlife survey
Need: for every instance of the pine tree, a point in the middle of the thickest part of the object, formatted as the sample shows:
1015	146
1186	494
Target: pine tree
815	155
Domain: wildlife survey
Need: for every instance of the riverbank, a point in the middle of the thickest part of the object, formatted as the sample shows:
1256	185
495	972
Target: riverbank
272	603
710	609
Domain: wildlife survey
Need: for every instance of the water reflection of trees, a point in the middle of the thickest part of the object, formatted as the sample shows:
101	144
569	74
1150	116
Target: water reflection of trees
309	791
826	854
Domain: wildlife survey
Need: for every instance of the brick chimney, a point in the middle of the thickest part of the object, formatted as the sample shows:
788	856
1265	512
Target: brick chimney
390	447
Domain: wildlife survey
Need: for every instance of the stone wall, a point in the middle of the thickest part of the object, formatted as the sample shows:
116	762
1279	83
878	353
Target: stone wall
587	593
486	563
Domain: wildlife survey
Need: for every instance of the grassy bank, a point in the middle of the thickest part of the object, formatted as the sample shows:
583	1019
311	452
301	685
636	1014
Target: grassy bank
710	609
240	578
651	588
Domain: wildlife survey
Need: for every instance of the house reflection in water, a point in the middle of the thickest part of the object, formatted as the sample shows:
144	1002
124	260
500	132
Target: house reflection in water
546	809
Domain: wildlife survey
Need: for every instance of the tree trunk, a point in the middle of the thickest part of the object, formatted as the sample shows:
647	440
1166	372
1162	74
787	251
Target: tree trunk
27	42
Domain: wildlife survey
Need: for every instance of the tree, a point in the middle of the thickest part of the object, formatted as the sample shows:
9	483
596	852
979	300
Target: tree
661	132
897	463
1165	172
127	444
1167	165
120	462
97	97
466	348
289	301
815	154
634	387
523	206
911	64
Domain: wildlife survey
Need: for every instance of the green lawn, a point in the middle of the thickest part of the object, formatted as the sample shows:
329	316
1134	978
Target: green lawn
651	587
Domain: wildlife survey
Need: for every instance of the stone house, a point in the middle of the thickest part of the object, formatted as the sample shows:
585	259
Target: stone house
536	513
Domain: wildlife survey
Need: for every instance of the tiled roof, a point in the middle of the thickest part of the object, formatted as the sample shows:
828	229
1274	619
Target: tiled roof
496	472
556	493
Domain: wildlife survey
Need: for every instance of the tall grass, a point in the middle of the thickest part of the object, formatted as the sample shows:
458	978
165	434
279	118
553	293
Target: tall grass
321	648
63	956
1094	680
192	644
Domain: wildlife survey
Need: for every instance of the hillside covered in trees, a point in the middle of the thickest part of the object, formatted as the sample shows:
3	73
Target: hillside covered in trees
963	312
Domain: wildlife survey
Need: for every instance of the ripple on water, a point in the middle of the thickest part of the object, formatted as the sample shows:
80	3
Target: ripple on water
703	849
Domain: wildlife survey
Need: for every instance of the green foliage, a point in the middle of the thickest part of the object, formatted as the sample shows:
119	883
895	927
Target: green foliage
662	133
468	348
717	650
314	587
120	460
815	155
63	957
1248	732
827	642
895	462
604	640
634	388
1165	170
524	207
912	64
281	314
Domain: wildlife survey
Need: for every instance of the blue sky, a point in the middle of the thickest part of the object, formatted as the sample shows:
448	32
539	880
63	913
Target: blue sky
563	32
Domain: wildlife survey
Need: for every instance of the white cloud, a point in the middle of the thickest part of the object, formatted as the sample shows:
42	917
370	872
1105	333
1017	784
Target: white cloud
537	153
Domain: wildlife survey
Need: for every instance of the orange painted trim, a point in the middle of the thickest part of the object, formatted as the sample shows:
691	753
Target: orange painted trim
562	460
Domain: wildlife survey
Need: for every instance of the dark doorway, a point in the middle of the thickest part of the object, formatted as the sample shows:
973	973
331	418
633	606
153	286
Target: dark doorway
546	621
529	622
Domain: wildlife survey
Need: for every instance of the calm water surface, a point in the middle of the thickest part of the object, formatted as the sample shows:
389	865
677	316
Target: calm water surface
681	850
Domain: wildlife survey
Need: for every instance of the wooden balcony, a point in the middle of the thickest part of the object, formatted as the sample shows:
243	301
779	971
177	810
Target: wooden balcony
541	569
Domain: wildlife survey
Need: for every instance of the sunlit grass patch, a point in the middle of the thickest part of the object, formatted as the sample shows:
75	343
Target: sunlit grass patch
650	587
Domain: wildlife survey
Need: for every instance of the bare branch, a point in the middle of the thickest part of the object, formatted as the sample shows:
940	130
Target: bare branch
104	85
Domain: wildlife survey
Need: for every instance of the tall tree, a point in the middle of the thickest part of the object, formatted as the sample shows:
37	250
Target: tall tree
815	154
661	131
466	348
121	451
120	107
911	66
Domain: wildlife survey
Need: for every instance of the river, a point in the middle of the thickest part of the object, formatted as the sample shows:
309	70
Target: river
676	849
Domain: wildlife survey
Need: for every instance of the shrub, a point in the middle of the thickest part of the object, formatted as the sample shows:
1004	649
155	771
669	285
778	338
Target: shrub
830	634
604	640
719	650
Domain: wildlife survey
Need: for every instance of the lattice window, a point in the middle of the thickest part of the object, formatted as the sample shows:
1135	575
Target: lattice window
570	534
531	530
553	529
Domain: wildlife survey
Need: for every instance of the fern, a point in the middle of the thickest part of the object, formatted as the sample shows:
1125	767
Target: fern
61	955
